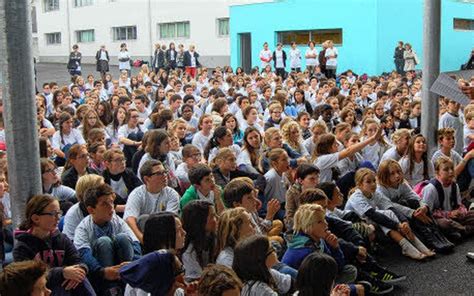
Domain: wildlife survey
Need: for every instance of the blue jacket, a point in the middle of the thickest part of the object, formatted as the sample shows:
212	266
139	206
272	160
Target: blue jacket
302	245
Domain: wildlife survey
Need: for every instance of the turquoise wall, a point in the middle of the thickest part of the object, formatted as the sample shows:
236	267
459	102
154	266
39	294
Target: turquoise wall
371	29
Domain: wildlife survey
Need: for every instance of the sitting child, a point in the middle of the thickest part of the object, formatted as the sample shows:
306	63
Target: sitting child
443	198
104	241
369	204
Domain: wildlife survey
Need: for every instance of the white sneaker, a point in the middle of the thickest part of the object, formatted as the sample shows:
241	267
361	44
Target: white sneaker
470	255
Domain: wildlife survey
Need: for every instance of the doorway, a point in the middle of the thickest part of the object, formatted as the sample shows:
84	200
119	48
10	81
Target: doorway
245	52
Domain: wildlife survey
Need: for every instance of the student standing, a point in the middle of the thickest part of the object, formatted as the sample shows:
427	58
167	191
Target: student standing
124	59
102	61
295	58
74	64
279	61
398	58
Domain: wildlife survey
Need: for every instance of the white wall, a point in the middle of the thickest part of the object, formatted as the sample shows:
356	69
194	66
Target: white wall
105	14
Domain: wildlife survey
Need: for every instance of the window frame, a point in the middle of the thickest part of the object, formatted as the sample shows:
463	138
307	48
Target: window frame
115	33
53	34
175	29
456	20
312	33
78	32
49	8
219	22
82	3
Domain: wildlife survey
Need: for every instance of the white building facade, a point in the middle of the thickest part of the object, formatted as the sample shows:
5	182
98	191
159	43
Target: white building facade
138	23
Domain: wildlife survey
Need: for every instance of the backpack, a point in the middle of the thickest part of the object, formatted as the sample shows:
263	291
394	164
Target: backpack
439	188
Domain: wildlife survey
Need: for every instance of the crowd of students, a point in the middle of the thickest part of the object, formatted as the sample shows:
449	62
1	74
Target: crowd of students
233	183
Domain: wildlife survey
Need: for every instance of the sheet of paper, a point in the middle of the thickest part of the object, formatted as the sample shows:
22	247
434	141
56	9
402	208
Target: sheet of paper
447	87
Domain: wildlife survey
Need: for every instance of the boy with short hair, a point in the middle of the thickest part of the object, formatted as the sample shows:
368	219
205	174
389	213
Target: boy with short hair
443	197
446	142
451	119
240	192
307	176
104	240
203	187
191	157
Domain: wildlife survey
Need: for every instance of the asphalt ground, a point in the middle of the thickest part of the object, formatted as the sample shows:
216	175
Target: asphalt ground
450	275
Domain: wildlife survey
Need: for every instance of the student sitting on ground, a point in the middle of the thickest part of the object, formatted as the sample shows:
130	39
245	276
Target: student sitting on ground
200	224
240	192
78	211
40	239
122	180
443	198
191	157
203	188
104	240
378	209
152	197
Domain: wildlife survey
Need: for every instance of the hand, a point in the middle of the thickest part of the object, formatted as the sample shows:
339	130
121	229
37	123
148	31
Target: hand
469	155
111	273
273	206
362	255
74	273
376	136
402	227
341	290
468	91
331	239
70	284
454	214
421	214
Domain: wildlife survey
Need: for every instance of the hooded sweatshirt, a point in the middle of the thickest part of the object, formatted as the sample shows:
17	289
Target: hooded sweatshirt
302	245
57	251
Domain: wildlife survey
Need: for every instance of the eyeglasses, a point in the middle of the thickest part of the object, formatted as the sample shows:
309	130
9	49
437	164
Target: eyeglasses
196	155
159	173
134	116
121	159
92	117
57	214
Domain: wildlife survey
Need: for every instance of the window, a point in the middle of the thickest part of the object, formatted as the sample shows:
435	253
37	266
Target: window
125	33
463	24
223	27
304	36
53	38
50	5
174	30
79	3
85	36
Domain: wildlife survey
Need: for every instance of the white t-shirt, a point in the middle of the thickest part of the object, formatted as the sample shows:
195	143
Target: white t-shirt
279	59
331	61
295	58
266	54
74	137
200	140
312	61
325	163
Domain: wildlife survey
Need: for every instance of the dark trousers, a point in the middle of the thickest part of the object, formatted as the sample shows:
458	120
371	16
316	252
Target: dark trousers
399	64
280	72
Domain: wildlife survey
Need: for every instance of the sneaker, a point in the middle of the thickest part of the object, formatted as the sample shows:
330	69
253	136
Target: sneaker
367	286
380	288
388	277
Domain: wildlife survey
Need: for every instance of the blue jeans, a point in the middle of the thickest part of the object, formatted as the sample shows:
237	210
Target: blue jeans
285	269
110	252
